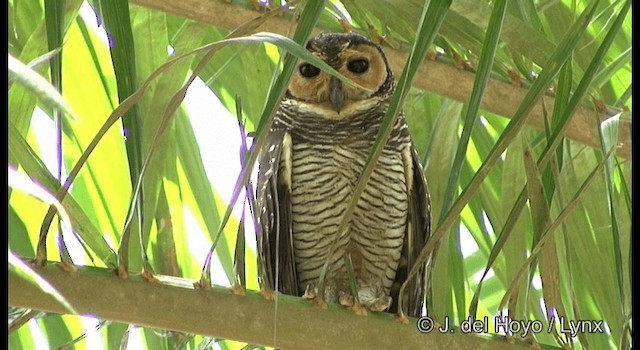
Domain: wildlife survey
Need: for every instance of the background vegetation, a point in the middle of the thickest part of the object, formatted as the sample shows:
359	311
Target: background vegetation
520	112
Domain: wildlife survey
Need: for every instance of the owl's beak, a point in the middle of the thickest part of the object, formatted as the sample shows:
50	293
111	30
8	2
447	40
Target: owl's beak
336	95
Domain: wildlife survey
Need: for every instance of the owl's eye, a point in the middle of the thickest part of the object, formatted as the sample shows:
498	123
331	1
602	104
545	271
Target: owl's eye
309	71
359	66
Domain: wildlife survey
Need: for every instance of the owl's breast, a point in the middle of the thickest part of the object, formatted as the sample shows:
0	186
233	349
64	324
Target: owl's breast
324	176
323	179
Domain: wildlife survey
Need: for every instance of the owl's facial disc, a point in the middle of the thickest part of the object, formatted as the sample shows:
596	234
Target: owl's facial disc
319	92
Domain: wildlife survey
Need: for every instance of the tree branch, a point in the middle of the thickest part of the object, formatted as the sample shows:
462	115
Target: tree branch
443	79
221	314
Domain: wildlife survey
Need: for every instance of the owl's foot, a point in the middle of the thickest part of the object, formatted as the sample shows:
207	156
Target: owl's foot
311	292
379	304
346	299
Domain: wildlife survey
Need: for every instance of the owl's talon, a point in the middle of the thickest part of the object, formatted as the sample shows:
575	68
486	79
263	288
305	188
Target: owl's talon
380	304
320	303
346	299
359	309
311	292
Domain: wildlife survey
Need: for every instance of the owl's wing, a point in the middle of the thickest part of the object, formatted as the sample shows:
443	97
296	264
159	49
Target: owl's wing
418	229
274	241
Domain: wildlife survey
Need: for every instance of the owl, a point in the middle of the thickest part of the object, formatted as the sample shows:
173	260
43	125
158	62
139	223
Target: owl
322	134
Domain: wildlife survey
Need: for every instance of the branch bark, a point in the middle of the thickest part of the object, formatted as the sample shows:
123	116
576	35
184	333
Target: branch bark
292	323
440	78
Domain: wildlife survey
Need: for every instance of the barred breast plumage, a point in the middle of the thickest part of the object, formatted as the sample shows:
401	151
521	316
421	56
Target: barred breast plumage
319	143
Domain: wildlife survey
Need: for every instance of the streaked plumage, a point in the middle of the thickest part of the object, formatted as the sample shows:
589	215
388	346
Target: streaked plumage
319	142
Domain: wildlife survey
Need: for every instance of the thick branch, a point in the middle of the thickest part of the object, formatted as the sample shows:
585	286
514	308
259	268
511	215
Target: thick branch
221	314
500	98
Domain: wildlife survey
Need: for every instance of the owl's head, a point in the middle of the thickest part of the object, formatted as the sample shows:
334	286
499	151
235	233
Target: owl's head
355	57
